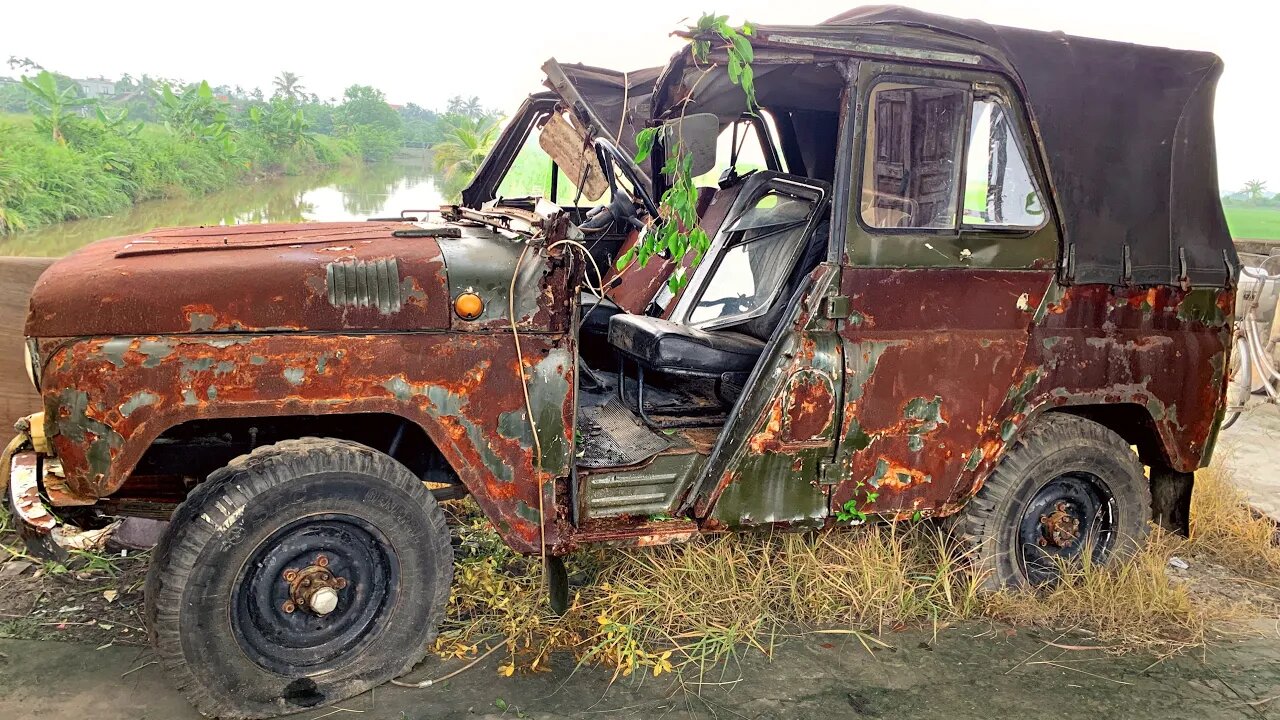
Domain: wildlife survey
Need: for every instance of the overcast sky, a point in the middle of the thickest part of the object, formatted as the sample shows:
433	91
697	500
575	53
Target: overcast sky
424	52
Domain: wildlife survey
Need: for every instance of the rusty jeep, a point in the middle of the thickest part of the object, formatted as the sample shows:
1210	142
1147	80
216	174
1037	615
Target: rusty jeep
957	271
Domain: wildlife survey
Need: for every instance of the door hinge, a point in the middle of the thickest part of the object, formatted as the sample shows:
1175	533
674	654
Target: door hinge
828	472
837	307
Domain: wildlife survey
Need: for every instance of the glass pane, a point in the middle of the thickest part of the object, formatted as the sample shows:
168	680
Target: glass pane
749	271
750	153
913	144
998	187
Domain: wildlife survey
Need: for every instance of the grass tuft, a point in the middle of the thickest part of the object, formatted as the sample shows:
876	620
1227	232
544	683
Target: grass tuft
694	608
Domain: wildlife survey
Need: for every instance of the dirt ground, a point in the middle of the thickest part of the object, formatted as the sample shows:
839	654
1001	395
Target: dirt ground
973	671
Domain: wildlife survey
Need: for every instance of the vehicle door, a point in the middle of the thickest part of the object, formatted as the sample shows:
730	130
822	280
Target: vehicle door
950	251
783	428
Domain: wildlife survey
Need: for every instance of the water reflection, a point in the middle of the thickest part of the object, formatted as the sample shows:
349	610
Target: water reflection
353	193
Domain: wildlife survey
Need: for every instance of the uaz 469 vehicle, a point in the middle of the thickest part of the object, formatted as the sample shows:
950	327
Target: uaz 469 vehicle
956	271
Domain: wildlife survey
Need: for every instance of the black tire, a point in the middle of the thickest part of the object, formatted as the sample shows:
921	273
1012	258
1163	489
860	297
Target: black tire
213	593
1064	459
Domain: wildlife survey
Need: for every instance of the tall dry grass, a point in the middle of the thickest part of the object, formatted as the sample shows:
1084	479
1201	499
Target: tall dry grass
696	606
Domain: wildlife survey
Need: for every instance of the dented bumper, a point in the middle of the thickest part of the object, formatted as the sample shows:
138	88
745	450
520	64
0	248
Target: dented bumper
24	498
34	521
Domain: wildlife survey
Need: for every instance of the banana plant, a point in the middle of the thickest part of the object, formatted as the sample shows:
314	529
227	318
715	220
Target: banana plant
55	108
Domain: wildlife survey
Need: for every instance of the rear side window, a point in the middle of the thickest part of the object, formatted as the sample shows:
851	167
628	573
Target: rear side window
918	174
998	191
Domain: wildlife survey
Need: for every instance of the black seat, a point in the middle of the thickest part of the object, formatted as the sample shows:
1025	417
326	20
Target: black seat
596	314
682	350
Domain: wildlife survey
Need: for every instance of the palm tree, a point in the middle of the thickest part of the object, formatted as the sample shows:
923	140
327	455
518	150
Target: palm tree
1255	188
464	145
288	86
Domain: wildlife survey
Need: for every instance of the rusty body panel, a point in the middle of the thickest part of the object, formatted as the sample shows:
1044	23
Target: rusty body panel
106	405
938	388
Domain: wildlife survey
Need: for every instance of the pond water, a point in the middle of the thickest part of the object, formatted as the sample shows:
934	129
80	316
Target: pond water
351	193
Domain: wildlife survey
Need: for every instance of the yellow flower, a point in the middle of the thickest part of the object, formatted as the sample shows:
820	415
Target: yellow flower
507	670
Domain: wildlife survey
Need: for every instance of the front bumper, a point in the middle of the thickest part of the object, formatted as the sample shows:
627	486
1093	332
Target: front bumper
24	494
34	521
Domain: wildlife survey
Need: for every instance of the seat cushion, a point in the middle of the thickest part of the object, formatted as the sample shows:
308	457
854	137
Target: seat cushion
670	347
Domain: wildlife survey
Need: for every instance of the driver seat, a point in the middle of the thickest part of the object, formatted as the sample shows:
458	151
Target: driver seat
677	349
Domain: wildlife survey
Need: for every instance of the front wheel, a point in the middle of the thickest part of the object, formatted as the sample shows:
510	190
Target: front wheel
1068	489
301	574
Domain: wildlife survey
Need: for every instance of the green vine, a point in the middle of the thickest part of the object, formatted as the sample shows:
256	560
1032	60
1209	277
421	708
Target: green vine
677	233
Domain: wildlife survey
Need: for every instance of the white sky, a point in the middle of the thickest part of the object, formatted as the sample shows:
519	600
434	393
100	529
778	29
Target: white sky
425	52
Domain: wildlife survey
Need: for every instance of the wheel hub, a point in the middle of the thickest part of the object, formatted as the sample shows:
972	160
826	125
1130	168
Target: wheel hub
313	588
1060	528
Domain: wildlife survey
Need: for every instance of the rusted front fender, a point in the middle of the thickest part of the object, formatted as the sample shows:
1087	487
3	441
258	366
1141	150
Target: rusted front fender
108	399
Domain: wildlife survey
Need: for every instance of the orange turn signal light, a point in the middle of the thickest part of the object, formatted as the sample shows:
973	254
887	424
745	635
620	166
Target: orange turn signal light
468	305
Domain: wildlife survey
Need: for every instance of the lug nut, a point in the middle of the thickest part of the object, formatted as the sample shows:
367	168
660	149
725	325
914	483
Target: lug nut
288	606
322	561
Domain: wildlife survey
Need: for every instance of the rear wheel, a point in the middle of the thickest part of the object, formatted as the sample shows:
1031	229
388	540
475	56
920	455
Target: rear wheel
303	573
1067	489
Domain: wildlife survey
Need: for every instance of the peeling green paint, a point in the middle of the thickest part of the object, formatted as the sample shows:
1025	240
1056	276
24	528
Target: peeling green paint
73	422
257	360
1007	429
294	375
1201	305
202	322
882	469
975	459
114	349
137	400
155	350
189	397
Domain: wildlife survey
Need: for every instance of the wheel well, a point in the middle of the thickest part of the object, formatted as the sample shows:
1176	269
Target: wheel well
185	454
1131	422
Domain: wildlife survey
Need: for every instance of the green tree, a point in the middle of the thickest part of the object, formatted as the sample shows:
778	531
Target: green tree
463	146
1255	190
55	104
365	118
289	86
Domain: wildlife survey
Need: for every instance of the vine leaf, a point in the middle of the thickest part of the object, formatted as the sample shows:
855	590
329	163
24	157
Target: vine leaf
677	232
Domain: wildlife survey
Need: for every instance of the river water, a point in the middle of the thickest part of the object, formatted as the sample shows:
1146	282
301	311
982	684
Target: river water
351	193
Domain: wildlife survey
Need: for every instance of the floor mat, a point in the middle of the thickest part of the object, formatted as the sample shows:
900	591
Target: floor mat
612	435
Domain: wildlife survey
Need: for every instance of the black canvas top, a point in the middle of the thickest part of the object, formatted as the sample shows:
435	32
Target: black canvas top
1127	135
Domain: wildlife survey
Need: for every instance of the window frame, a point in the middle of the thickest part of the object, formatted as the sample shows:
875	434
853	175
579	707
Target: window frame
687	302
991	90
869	246
864	116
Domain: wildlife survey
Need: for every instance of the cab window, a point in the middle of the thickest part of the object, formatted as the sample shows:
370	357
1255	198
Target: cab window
744	145
916	164
998	190
530	175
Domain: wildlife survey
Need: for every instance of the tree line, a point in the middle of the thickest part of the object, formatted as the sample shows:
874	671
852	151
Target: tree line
69	155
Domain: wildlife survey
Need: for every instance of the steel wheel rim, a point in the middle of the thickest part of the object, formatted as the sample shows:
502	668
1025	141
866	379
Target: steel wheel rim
288	641
1079	497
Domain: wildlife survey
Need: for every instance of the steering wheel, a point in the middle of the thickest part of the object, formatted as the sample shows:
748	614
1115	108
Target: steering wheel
622	206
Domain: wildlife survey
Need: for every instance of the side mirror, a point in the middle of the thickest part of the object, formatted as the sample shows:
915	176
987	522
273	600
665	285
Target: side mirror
695	135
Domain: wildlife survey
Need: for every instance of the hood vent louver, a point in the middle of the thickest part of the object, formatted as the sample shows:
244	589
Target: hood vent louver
361	283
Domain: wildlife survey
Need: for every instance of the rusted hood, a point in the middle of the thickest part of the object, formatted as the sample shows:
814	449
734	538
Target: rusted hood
248	278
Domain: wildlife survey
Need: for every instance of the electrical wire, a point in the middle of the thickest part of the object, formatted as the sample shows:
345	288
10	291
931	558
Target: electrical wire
459	671
528	407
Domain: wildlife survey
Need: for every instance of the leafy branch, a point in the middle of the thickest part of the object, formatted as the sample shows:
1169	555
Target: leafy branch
677	232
